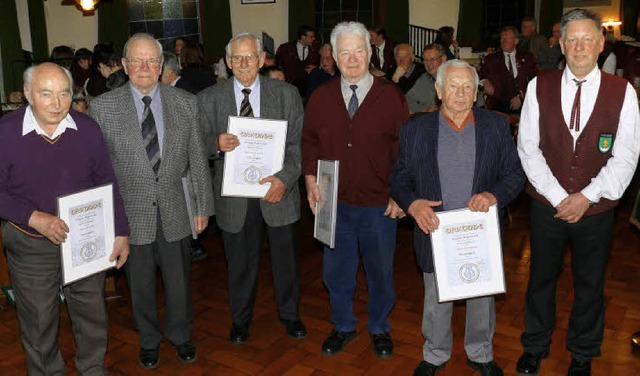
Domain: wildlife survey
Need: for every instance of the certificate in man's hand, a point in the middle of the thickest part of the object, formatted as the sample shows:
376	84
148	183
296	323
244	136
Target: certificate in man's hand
467	254
90	217
260	154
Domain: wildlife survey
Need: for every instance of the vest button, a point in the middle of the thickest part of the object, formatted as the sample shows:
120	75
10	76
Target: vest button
349	144
570	179
570	190
573	167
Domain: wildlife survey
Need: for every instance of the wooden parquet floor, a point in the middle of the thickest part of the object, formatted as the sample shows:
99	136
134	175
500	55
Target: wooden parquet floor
270	352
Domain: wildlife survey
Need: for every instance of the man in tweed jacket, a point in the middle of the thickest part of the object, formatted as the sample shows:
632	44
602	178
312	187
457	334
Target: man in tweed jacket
240	219
153	197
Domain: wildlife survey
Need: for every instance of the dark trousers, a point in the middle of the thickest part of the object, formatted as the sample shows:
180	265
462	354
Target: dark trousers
375	234
243	262
174	261
36	275
590	241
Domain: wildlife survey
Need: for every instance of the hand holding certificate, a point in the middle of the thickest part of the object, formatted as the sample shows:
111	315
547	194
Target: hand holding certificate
467	254
260	154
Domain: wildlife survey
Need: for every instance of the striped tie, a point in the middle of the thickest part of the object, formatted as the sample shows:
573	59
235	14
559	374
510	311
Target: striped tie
150	135
245	106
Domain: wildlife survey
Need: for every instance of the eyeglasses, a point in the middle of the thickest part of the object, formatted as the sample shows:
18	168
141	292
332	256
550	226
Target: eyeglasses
136	62
427	60
237	59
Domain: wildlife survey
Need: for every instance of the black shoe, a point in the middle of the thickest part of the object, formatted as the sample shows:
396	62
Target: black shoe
295	328
382	345
149	358
336	341
238	334
486	369
529	364
579	368
198	253
427	369
186	352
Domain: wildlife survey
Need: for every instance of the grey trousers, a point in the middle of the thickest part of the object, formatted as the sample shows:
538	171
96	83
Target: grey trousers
174	261
436	326
35	269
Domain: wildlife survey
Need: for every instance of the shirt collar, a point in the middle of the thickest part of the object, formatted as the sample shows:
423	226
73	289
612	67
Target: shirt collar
29	124
366	81
137	94
591	78
255	85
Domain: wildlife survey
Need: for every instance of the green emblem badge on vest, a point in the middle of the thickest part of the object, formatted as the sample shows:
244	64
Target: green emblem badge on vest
604	142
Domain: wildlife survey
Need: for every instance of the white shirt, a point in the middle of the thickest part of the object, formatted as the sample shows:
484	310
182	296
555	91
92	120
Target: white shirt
29	124
514	66
380	52
302	53
254	96
615	176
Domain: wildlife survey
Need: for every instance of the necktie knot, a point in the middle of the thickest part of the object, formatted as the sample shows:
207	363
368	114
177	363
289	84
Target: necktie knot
147	100
246	92
353	88
578	82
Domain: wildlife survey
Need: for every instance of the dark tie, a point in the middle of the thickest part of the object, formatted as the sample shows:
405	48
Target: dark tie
379	57
509	65
575	110
150	135
245	106
353	102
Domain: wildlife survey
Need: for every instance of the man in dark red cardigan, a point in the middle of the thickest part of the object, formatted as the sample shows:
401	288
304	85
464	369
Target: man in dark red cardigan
356	120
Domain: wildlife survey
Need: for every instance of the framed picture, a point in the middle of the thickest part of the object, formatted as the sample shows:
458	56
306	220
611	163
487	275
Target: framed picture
257	1
467	255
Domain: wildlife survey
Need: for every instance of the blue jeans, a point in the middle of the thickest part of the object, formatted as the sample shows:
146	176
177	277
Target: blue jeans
375	234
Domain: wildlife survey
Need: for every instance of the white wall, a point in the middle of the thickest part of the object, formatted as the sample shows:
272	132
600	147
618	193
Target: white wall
256	18
66	25
606	13
22	9
434	13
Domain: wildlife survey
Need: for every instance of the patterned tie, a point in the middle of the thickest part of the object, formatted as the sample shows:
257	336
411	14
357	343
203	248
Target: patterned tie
353	102
245	106
575	110
150	135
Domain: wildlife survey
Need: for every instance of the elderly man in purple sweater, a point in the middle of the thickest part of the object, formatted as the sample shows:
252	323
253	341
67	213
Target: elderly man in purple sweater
49	151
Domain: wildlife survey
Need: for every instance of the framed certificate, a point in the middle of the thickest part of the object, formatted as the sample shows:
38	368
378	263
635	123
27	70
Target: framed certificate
90	217
467	254
190	199
260	154
324	228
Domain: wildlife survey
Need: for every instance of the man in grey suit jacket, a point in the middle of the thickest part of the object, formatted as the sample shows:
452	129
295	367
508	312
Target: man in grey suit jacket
153	138
241	219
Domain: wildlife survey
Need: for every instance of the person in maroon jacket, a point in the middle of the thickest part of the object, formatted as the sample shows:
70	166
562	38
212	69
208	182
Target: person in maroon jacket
505	74
299	57
579	141
382	50
356	120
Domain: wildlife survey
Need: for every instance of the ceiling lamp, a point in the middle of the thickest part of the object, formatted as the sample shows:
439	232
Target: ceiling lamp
86	6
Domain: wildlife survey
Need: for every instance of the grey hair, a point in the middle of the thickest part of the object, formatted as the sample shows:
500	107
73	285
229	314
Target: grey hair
170	62
351	28
325	46
434	46
239	38
141	36
456	64
27	78
576	15
395	49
